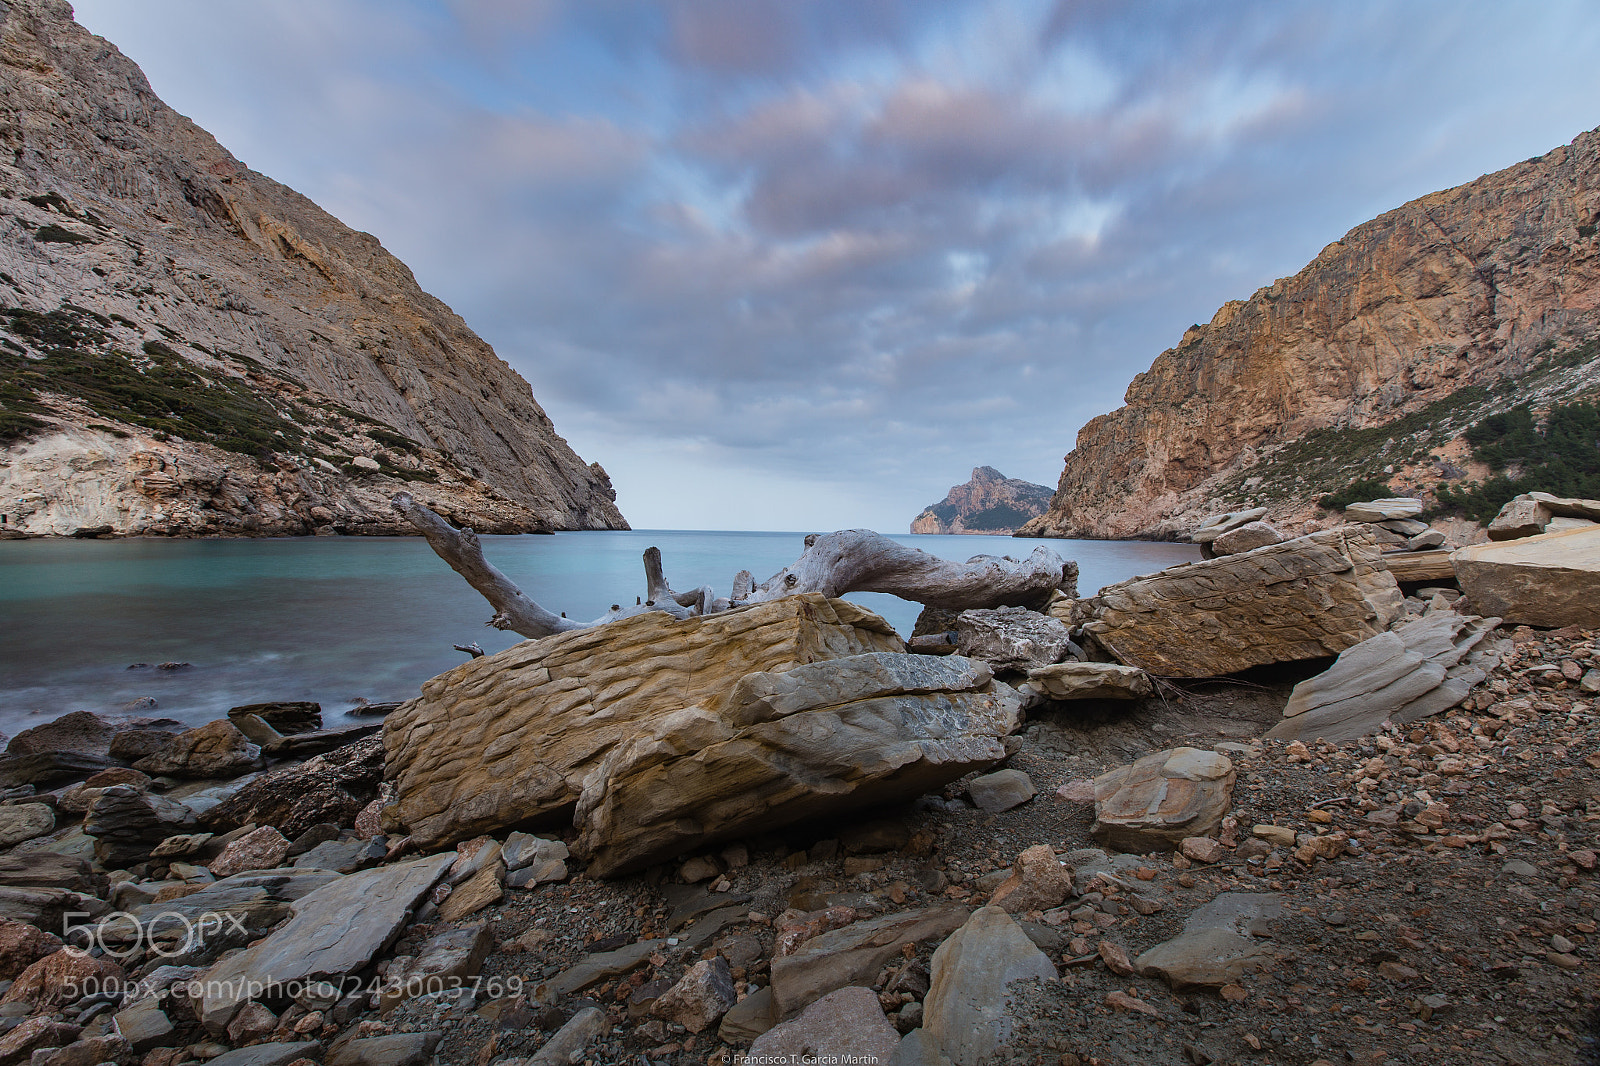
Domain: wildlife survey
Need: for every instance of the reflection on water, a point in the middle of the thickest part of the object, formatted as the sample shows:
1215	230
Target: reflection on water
336	619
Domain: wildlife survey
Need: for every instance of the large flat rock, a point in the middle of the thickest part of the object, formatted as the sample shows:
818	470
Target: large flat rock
1306	598
1220	943
1552	579
509	737
336	930
854	954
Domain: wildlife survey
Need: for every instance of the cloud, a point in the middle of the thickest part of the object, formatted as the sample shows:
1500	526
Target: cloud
802	266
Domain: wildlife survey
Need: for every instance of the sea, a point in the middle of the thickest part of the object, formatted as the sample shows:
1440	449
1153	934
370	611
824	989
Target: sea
343	621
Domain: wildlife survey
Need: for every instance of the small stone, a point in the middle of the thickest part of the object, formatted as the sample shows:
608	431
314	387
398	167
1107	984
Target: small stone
470	897
1202	849
1115	956
1562	944
1517	868
21	945
1277	835
369	822
1000	791
59	979
1234	993
1564	960
253	1023
1397	972
522	850
1122	1001
1583	857
1080	790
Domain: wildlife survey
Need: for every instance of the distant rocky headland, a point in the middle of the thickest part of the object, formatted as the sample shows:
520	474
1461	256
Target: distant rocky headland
989	503
189	348
1372	364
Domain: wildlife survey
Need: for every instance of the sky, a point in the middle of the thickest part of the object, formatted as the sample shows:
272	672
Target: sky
803	264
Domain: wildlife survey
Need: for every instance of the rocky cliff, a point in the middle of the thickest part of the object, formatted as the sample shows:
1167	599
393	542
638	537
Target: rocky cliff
989	503
188	347
1367	363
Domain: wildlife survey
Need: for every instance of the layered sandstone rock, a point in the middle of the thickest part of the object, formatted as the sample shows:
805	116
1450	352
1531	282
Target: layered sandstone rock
509	737
1457	288
1302	599
989	503
310	377
1552	579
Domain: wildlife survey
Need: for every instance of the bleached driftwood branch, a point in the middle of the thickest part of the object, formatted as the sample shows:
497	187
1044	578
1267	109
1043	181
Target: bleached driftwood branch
851	560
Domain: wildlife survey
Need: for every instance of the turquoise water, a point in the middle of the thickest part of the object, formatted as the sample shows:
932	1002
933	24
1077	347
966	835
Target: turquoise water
333	619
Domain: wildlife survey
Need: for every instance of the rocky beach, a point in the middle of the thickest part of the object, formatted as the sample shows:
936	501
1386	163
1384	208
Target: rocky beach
1359	827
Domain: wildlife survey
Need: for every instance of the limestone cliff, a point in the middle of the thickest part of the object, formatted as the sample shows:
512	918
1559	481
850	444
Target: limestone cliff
989	503
1364	364
188	347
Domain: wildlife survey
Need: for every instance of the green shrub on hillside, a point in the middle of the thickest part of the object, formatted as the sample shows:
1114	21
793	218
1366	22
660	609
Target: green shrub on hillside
1562	457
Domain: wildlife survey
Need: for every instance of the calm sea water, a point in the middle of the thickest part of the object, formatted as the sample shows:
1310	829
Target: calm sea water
336	619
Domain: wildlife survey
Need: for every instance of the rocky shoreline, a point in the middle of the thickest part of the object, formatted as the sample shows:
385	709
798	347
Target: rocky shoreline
772	831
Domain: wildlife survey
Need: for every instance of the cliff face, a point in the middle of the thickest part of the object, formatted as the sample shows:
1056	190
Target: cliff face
189	347
989	503
1427	308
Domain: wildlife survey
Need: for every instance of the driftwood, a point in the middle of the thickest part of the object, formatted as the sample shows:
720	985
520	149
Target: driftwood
851	560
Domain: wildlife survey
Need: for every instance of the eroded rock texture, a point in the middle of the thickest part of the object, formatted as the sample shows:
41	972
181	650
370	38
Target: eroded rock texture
1302	599
291	374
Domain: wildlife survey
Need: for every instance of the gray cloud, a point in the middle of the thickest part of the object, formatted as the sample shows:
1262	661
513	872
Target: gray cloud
803	266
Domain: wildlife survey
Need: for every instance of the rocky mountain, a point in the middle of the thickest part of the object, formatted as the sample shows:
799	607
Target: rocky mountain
1369	363
989	503
188	347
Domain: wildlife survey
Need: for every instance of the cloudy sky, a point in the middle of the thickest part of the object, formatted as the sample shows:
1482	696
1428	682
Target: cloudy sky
802	264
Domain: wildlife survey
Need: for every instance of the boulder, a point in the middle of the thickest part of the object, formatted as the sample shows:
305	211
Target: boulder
1383	510
255	903
341	856
694	776
304	745
47	908
145	1025
1425	541
1566	507
267	1054
1038	882
1306	598
1000	791
1090	681
491	743
396	1049
23	945
80	732
1214	526
284	717
566	1046
1219	944
1421	667
1012	638
336	930
34	1034
847	1025
1248	537
330	788
596	967
260	849
1552	579
24	821
1523	516
966	1008
216	749
700	998
523	849
854	954
128	824
446	961
1153	804
46	768
131	745
476	892
60	978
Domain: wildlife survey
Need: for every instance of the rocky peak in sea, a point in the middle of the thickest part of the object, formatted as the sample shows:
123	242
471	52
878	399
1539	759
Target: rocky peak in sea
989	503
1369	364
188	347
